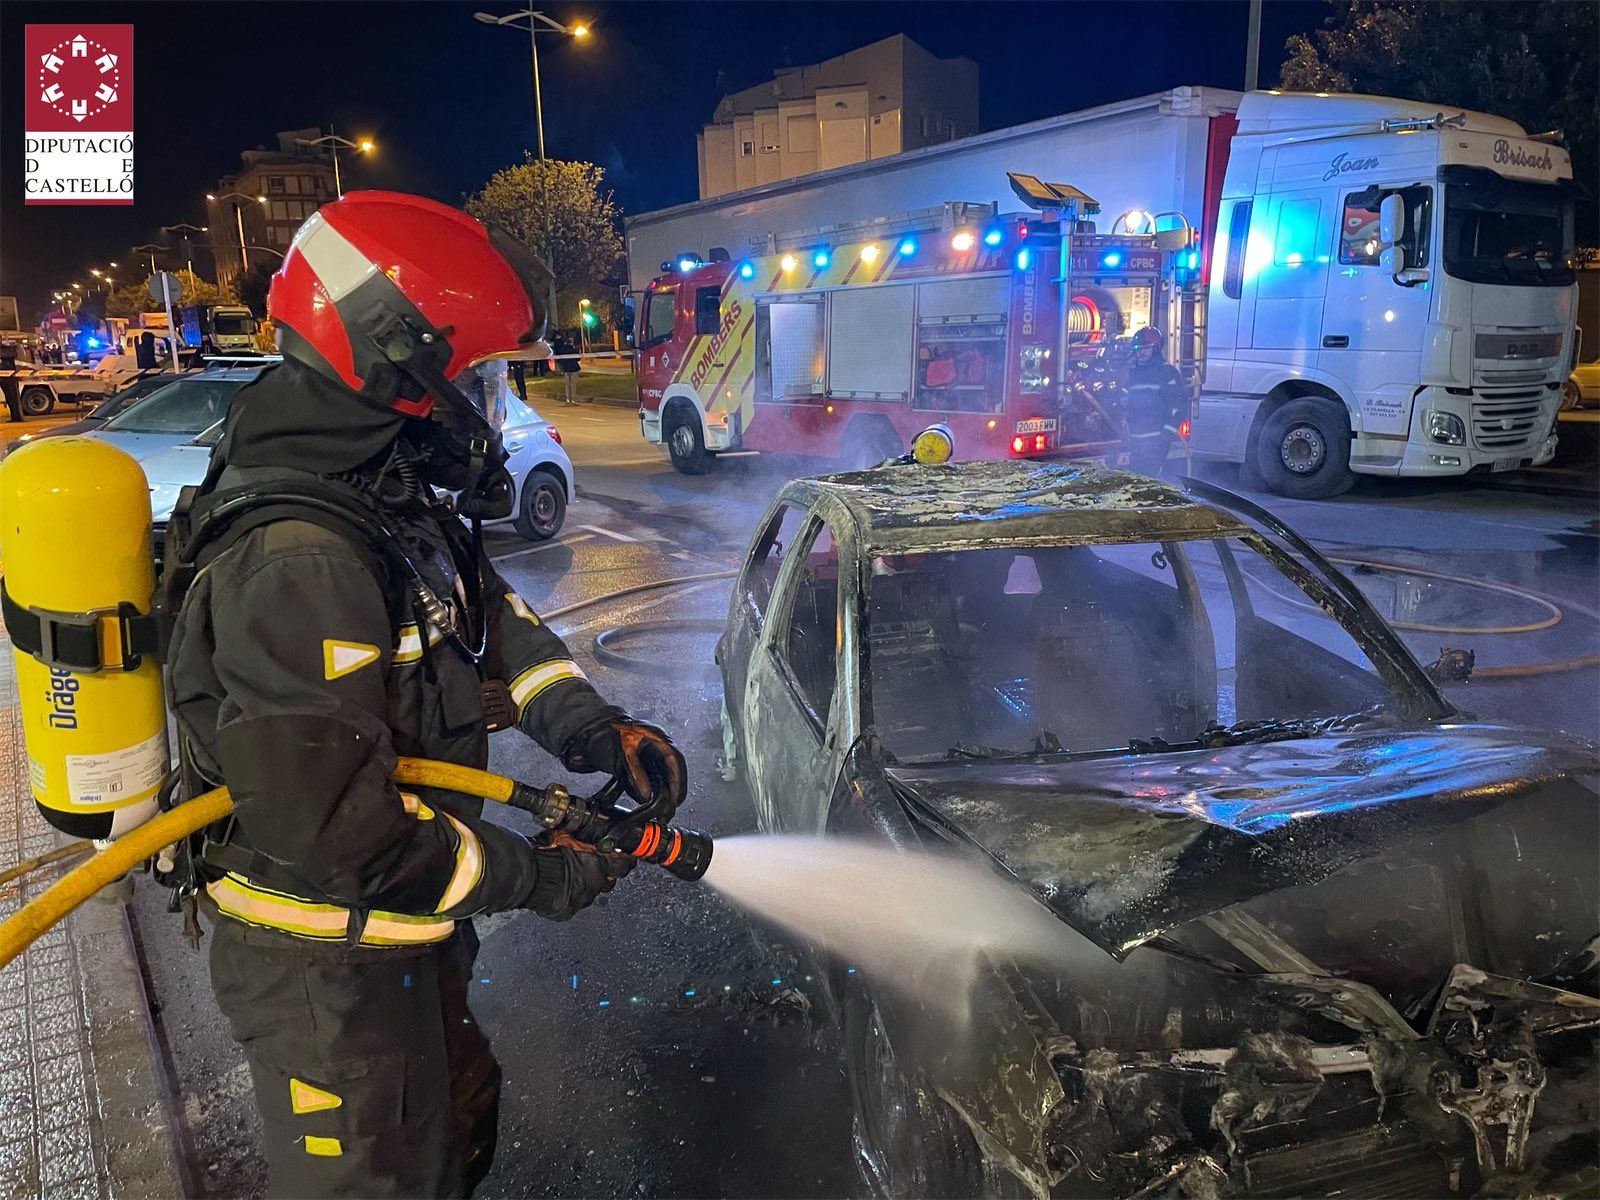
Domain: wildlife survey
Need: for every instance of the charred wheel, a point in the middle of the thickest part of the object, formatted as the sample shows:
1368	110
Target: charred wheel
908	1141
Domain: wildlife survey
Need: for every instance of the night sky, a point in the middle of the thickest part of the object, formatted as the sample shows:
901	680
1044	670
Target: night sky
449	100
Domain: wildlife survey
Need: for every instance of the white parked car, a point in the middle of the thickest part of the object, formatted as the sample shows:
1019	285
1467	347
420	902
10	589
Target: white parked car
539	465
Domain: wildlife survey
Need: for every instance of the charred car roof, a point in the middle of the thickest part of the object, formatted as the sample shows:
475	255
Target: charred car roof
952	505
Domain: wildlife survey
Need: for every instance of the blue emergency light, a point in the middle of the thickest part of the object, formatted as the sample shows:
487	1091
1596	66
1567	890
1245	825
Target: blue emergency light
907	247
1111	258
747	270
820	258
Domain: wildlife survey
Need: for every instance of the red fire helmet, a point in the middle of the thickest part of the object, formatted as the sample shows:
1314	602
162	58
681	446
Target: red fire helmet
1147	338
381	287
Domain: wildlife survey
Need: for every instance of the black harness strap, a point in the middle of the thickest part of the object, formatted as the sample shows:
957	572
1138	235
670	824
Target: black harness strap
73	640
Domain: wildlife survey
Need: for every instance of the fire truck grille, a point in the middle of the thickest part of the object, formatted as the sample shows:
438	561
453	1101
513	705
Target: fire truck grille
1506	422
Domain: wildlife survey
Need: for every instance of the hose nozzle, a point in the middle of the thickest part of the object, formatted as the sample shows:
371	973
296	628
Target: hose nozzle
685	853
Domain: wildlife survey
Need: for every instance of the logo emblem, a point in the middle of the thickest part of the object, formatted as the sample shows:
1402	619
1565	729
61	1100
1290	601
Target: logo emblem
341	658
79	78
78	114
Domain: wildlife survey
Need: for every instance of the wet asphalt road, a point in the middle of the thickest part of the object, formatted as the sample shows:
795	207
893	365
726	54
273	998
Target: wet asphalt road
658	1045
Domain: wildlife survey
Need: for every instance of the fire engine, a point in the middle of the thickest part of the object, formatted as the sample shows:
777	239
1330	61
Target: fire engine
843	342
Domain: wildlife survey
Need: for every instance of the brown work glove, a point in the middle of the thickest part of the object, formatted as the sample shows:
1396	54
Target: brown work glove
642	756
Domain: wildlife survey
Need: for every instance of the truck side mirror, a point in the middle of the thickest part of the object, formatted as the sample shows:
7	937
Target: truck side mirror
1393	260
1391	218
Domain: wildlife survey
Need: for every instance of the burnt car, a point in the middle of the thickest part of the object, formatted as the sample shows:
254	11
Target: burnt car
1331	936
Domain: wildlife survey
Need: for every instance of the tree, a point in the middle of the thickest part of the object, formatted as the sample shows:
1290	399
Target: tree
583	222
133	298
1535	61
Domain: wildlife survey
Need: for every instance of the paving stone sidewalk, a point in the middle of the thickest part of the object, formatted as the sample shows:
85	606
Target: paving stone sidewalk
80	1101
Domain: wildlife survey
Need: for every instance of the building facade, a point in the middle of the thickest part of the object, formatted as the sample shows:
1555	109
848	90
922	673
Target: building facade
295	180
882	99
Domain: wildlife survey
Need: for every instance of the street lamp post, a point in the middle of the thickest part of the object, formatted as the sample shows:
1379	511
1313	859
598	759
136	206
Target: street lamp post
333	141
184	229
238	216
150	248
538	23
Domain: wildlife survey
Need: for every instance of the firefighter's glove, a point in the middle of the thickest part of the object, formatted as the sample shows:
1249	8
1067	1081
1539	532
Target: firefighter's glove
642	756
570	879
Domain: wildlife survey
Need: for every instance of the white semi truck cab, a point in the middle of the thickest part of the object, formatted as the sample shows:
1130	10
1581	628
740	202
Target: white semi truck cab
1392	292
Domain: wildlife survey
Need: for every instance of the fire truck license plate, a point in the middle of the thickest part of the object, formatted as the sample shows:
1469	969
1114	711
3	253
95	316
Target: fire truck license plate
1037	425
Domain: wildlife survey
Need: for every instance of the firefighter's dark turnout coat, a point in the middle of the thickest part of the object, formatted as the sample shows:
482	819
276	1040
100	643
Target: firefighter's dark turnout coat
336	952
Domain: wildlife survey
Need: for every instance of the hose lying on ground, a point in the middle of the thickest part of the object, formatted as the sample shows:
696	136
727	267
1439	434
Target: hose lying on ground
28	865
557	613
24	927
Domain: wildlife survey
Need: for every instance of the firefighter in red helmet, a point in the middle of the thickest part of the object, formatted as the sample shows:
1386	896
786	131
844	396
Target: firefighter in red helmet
336	610
1157	399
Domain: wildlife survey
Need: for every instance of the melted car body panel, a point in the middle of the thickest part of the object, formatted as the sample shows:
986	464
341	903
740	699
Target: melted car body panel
1125	848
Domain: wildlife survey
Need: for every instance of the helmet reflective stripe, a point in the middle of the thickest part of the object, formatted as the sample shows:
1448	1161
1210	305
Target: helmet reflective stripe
338	265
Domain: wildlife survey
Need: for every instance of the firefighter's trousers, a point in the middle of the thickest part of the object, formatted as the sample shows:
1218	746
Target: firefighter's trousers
371	1075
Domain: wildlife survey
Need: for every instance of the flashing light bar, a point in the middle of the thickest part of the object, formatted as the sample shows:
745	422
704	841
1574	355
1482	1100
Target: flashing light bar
963	241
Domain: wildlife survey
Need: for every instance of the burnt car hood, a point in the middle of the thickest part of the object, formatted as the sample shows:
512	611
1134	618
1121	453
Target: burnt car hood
1125	848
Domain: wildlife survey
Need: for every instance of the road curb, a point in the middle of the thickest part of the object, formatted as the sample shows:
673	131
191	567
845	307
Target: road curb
141	1142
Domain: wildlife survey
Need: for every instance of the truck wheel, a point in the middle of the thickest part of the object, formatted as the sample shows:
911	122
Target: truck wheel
542	507
37	401
686	443
1303	449
909	1141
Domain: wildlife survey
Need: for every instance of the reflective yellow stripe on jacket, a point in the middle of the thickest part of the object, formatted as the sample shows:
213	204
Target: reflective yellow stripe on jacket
536	679
255	905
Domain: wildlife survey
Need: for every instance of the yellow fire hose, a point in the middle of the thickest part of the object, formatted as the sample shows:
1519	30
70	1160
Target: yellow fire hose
20	930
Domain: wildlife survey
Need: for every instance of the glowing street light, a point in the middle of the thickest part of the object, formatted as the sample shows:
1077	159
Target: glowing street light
333	141
535	23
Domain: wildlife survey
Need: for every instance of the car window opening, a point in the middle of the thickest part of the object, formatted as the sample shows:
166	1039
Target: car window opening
987	652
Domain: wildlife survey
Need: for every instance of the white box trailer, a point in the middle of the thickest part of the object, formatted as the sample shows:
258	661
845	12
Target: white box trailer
1148	154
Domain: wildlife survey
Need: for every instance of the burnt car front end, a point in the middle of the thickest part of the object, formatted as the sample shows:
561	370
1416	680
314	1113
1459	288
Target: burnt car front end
1321	933
1401	998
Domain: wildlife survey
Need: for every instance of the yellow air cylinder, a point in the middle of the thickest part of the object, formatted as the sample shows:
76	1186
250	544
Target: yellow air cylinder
75	540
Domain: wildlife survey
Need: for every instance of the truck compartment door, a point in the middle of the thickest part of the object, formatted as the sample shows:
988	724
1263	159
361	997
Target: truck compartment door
790	363
870	344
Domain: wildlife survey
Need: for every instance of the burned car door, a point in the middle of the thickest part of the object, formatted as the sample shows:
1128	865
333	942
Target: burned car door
751	598
792	714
